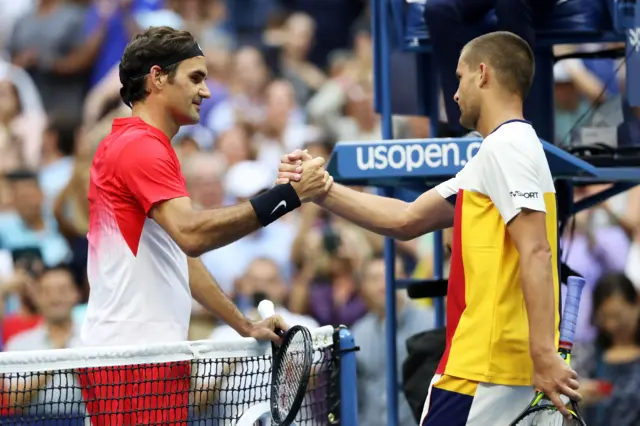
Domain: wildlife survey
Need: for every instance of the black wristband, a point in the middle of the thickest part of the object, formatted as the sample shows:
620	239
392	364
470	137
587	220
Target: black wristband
275	203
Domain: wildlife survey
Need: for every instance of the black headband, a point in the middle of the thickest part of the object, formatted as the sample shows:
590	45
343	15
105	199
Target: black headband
192	52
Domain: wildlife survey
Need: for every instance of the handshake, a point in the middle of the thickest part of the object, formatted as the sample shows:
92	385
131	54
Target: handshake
306	174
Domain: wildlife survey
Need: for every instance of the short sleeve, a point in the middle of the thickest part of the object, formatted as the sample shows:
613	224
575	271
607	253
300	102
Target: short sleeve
449	189
511	179
151	172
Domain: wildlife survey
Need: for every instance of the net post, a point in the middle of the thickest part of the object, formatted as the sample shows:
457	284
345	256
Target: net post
348	386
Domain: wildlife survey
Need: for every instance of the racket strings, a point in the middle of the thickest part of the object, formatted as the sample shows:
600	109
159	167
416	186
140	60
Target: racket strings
292	372
549	417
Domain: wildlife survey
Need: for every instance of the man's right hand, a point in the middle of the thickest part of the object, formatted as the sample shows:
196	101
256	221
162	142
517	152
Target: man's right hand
554	377
314	180
290	168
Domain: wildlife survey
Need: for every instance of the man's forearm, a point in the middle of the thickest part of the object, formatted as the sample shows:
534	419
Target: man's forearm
539	298
388	216
211	229
208	293
381	215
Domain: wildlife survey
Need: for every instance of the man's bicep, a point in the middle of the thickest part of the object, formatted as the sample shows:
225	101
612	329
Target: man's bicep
528	231
431	211
171	215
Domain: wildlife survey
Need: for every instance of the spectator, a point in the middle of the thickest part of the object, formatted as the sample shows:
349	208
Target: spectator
235	145
19	311
203	173
614	387
262	280
297	39
56	295
121	26
30	226
571	108
57	164
20	130
71	210
592	251
327	253
48	43
246	102
282	130
369	333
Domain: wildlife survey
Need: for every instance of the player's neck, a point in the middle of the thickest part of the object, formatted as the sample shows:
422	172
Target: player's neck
496	113
156	117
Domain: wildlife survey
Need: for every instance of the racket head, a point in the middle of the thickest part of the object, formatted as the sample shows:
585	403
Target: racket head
291	369
541	412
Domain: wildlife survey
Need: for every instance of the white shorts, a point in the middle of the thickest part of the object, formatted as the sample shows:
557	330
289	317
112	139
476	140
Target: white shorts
459	402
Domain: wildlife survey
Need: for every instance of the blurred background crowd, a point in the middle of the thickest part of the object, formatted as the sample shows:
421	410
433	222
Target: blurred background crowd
284	74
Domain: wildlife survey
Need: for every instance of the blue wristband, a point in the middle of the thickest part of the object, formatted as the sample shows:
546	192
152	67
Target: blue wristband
275	203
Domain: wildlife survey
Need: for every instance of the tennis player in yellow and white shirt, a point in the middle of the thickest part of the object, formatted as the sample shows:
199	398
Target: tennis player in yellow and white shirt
503	298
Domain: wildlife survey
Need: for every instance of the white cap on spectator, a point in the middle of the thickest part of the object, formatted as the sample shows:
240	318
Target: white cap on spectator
247	178
560	73
562	70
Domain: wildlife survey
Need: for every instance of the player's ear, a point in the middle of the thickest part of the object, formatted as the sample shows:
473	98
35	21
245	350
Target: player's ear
156	76
483	74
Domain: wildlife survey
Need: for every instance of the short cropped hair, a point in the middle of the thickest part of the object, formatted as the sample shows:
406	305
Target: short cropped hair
154	45
508	54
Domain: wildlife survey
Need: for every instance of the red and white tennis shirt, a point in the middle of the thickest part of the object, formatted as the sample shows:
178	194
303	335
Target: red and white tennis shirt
138	275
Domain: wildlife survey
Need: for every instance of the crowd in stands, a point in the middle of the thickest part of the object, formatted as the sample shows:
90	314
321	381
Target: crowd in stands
284	74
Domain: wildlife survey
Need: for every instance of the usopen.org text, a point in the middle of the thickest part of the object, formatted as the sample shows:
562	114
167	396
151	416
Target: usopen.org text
413	156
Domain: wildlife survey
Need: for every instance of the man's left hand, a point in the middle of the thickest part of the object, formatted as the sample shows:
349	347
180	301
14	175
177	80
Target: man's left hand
265	329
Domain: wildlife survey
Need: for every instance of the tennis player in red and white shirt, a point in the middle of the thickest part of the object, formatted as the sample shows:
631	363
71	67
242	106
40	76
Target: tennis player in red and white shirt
145	237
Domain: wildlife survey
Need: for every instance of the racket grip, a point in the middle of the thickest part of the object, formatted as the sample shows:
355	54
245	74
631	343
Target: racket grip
571	307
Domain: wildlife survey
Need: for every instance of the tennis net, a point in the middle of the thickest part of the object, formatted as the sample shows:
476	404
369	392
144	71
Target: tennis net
187	383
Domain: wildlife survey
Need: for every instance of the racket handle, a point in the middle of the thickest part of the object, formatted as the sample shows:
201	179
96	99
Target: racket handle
266	309
571	307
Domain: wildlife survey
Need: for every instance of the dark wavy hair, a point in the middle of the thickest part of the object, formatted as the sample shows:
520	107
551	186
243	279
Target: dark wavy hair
608	286
153	46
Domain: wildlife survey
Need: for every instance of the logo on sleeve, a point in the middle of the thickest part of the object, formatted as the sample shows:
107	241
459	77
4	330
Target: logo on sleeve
518	194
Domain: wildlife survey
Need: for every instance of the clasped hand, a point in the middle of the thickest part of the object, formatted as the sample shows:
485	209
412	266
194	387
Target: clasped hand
306	174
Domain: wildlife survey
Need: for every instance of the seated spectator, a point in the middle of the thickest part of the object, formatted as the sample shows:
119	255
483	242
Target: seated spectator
56	294
30	226
370	335
614	384
327	253
19	312
52	393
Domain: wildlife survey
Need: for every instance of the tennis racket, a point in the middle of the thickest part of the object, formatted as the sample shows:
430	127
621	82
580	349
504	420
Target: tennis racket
541	411
291	369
